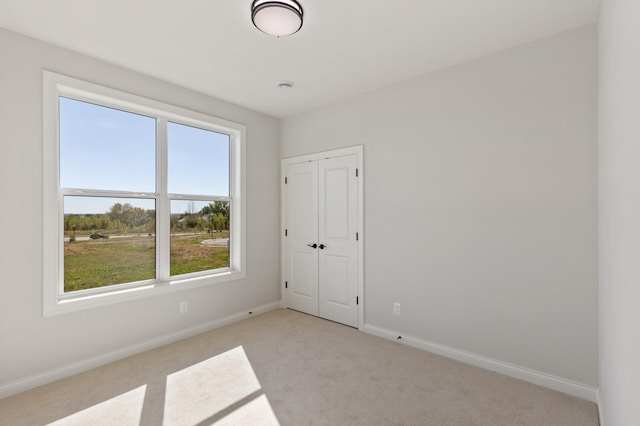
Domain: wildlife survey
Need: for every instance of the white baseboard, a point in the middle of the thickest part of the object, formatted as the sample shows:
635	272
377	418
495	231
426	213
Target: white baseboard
49	376
542	379
600	409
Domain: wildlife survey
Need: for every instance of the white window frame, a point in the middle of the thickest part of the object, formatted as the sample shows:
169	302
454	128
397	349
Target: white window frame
55	300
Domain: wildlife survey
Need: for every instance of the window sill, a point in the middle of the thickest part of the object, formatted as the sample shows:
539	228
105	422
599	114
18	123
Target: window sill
58	305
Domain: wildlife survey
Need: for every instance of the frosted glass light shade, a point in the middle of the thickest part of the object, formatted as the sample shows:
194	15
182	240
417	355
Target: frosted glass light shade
277	18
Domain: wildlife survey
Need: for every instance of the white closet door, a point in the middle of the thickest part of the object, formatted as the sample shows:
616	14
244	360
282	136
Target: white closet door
302	234
338	247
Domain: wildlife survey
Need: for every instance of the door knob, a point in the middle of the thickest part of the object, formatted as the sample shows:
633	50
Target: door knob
313	246
322	246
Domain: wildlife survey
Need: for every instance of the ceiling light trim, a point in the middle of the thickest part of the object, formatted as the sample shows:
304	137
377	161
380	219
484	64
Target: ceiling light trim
285	84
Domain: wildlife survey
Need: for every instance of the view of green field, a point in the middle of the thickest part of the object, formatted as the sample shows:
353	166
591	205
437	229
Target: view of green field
119	246
96	263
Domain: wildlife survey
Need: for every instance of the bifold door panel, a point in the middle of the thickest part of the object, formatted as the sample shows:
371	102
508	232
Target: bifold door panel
338	224
302	233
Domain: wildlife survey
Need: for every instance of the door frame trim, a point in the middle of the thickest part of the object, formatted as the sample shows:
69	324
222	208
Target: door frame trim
357	150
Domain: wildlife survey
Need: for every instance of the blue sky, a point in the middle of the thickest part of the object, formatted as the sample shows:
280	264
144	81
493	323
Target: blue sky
104	148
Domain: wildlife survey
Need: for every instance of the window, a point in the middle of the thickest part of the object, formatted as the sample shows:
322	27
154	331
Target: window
140	197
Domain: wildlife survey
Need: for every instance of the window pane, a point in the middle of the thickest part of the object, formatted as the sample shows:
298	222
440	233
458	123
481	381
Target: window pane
105	148
108	241
199	236
198	161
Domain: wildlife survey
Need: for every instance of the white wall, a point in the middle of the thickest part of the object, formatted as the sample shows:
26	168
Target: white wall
31	344
480	203
619	202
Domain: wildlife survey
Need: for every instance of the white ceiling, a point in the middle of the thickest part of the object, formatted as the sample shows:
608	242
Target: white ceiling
345	47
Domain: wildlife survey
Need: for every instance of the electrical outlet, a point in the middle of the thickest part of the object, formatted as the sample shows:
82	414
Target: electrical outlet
184	306
397	308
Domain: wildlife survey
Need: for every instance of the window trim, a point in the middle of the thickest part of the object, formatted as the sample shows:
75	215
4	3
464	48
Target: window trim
55	301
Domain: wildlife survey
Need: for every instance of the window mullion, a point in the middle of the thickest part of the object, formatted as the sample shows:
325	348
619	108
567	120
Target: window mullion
163	228
105	193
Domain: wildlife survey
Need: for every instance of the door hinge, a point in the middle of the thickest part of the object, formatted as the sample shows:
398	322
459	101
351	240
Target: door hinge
356	172
286	284
286	232
357	236
285	180
357	300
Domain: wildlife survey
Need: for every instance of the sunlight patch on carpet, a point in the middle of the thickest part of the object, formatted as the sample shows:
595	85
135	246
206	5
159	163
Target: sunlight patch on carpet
124	409
217	389
257	411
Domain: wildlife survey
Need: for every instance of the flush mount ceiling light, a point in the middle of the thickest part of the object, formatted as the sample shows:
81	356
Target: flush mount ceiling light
277	18
284	84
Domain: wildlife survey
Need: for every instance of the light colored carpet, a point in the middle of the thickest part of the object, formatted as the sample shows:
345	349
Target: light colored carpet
288	368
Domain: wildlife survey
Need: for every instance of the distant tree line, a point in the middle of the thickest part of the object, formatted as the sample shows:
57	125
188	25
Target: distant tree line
127	218
119	218
214	216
